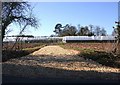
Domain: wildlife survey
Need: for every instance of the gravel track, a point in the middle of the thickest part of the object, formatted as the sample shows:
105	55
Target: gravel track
56	62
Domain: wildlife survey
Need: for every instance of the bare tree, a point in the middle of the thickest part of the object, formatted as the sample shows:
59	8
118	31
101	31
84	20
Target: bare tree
91	28
97	31
103	32
114	32
117	48
16	12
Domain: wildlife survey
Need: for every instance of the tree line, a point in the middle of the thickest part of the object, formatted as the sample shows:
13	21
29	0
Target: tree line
70	30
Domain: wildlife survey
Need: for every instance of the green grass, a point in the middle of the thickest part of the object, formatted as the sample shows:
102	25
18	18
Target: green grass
33	49
78	49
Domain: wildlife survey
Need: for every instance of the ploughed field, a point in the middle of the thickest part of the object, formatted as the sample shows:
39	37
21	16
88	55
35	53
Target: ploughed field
70	60
104	46
96	46
8	46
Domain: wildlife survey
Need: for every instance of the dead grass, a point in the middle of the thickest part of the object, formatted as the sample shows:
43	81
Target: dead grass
10	54
101	56
56	62
38	64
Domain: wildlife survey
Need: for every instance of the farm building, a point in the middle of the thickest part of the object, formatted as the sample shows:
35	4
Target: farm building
88	38
65	39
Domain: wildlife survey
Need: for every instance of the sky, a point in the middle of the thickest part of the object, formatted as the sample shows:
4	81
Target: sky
103	14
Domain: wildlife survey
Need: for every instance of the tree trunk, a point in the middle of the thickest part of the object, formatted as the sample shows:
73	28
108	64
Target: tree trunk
118	47
3	33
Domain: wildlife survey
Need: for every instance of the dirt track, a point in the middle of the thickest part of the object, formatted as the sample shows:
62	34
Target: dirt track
56	62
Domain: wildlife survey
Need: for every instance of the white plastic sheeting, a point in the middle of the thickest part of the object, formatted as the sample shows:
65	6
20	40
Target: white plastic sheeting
84	38
67	38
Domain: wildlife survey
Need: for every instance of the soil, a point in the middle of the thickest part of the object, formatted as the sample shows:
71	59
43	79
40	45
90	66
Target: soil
56	62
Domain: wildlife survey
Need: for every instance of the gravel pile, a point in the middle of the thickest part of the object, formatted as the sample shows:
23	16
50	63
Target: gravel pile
55	50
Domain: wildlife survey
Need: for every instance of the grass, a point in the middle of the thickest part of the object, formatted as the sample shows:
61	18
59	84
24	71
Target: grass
101	57
32	49
76	48
10	54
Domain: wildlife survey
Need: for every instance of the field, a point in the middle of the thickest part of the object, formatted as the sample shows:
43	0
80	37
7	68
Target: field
96	51
99	52
8	46
24	49
63	60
